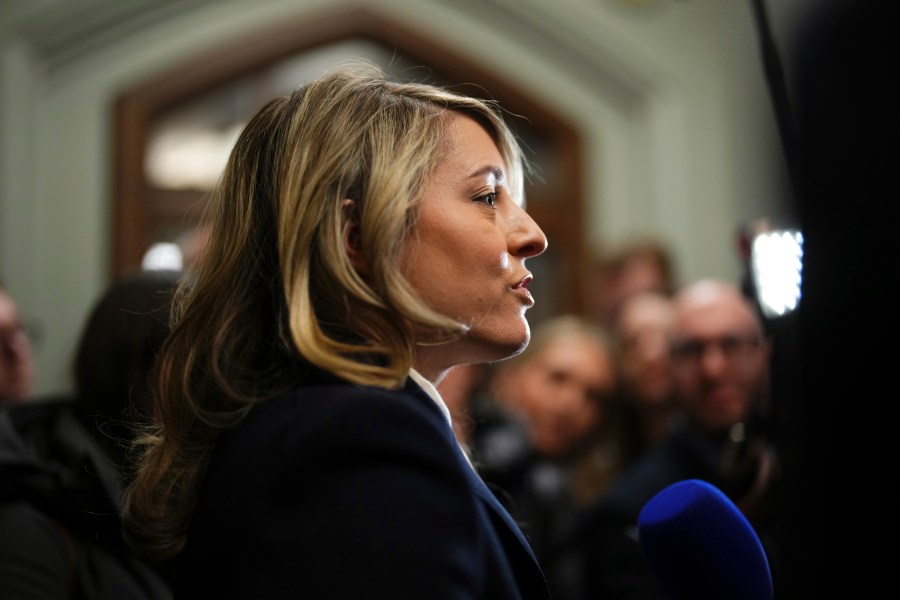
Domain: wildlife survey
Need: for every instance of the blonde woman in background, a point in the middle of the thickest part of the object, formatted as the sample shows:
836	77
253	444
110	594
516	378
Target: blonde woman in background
549	448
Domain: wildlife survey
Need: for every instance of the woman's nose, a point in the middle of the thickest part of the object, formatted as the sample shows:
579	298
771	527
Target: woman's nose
526	238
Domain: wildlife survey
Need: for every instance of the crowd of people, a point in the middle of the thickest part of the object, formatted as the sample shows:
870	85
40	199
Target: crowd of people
316	411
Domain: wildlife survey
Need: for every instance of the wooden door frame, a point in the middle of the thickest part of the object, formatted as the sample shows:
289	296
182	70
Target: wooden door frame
136	109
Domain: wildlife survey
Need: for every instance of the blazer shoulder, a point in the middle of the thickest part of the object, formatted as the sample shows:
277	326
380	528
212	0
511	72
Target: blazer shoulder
333	427
341	412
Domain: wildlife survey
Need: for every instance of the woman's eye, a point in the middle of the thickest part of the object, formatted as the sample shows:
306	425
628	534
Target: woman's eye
489	199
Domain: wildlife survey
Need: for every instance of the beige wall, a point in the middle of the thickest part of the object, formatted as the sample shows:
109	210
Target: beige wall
671	98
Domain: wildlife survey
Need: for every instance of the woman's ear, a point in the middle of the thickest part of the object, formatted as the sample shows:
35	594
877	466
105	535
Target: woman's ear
350	233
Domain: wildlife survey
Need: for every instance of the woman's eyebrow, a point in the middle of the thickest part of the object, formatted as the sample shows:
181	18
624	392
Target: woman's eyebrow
495	172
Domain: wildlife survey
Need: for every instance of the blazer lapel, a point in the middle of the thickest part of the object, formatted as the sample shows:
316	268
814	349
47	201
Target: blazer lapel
488	496
478	484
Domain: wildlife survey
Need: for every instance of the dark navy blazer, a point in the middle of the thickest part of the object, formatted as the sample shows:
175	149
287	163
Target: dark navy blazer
342	491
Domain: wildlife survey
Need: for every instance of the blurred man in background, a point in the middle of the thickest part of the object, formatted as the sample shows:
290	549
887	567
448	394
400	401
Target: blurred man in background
16	361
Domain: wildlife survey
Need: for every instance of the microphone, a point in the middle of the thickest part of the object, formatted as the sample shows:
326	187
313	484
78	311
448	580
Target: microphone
700	546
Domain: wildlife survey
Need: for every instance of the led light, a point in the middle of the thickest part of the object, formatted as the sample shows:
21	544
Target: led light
776	260
163	257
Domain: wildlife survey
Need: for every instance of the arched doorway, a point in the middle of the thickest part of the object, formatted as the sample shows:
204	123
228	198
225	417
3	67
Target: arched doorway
216	90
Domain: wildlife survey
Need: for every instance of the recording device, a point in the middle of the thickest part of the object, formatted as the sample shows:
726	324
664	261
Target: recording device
700	546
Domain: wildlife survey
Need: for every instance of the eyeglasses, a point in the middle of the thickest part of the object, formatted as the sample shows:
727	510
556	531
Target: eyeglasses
732	347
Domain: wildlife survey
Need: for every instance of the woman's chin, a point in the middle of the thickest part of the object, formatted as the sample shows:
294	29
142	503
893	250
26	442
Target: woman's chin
497	349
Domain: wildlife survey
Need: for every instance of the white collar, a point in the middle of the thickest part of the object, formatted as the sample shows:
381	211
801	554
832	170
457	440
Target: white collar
432	392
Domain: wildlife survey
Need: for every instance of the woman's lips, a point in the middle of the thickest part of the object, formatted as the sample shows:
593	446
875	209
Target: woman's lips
521	288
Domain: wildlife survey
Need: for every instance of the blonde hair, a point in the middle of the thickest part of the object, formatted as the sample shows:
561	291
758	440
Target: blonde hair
275	289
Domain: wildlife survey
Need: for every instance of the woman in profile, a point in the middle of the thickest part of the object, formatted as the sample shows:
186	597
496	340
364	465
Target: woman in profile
366	237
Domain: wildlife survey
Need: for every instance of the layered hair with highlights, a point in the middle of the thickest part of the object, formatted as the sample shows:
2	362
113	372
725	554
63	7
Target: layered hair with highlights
339	164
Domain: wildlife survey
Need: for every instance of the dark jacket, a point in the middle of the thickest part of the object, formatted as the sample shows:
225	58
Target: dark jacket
342	491
60	529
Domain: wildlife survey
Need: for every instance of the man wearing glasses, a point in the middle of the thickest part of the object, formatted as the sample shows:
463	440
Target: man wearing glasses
720	359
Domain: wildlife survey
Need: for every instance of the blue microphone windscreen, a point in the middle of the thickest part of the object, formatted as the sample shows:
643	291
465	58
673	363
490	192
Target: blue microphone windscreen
700	546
